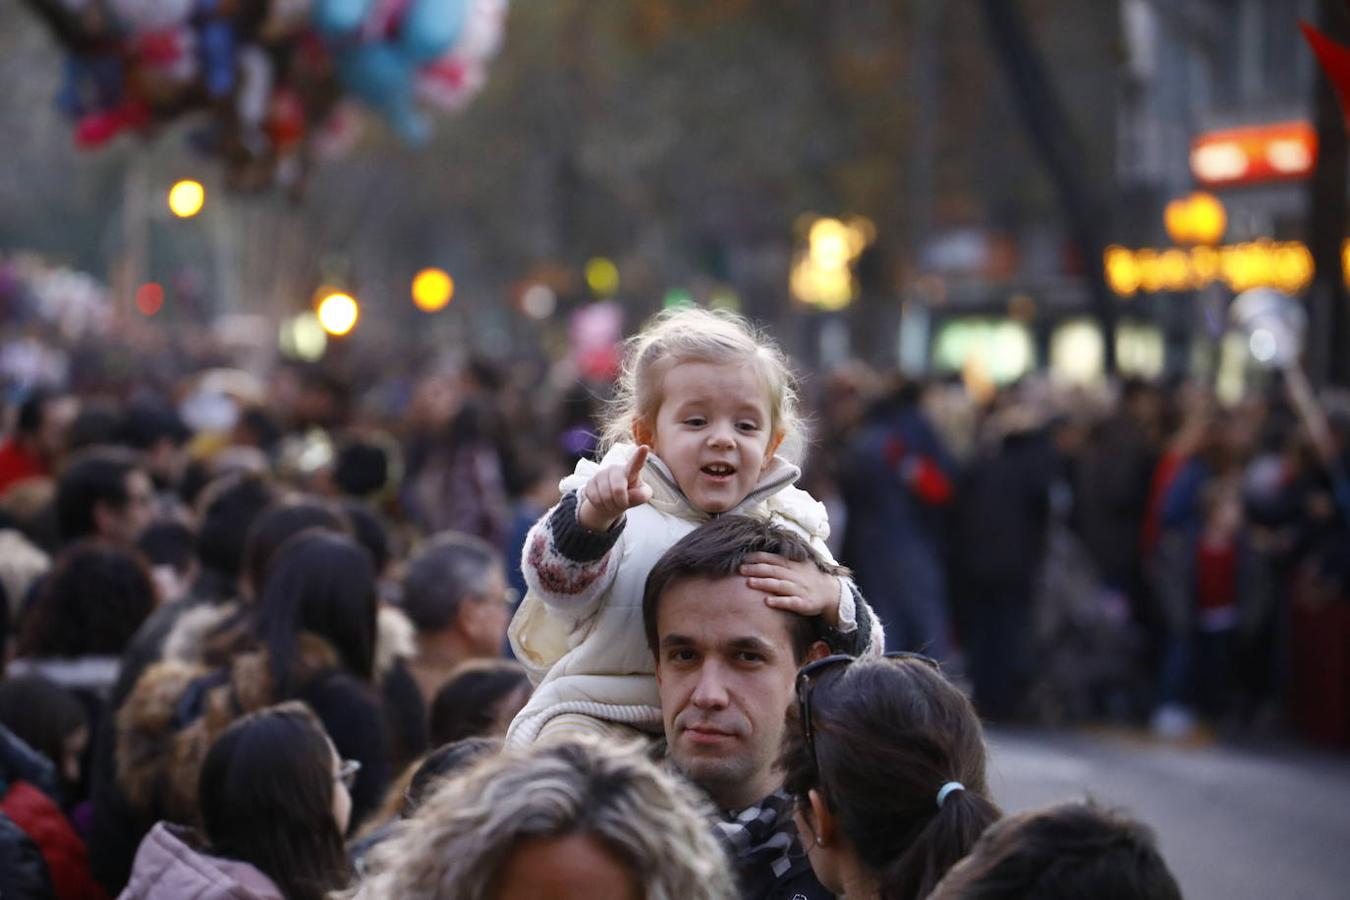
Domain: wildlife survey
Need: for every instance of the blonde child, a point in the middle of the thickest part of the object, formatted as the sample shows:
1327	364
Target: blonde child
703	406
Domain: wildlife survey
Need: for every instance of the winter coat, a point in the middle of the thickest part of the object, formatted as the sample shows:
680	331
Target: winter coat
124	810
178	708
23	874
170	865
579	631
28	799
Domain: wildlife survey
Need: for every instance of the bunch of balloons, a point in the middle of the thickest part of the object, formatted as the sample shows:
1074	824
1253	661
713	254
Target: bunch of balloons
268	79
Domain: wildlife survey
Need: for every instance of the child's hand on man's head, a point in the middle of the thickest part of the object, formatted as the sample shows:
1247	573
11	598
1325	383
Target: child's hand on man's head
612	491
798	587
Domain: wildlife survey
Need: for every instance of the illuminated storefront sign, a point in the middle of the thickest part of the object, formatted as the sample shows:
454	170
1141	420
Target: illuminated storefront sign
1286	265
1287	150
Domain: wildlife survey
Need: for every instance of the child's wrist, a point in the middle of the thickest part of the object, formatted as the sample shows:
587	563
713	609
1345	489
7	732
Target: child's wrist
591	519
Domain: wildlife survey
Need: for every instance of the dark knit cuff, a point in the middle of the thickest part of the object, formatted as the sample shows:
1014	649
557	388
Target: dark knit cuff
856	641
575	541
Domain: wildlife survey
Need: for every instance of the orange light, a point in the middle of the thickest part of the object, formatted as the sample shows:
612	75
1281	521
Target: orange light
149	298
1197	219
432	289
1258	153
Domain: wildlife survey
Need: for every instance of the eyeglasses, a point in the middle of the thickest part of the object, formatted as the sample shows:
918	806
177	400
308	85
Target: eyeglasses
347	772
806	686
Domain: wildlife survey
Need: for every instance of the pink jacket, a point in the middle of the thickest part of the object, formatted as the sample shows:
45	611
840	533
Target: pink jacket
171	866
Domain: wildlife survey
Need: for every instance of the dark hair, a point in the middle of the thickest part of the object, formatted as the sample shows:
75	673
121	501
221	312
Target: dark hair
266	793
95	425
277	525
148	422
718	550
444	571
230	507
888	734
91	604
1067	851
361	470
167	542
442	763
321	583
32	411
465	706
369	531
42	714
96	476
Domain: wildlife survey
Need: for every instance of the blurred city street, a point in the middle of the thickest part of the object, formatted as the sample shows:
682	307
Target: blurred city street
1234	823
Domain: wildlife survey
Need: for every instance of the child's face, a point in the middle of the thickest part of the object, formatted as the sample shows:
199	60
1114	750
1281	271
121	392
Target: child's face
713	431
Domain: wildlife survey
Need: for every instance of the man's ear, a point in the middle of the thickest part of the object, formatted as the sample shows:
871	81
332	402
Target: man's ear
818	650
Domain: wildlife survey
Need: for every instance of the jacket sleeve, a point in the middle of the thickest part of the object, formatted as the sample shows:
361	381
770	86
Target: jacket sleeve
569	566
860	632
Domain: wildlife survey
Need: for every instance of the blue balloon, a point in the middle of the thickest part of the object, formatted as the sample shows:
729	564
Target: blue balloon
339	17
431	27
382	77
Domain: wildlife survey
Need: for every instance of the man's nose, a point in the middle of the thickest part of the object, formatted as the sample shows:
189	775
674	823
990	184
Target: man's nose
710	690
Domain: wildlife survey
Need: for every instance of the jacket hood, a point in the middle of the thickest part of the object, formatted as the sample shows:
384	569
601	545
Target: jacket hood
171	865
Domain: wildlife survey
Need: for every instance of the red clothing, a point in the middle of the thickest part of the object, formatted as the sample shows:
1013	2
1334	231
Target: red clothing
1216	575
63	851
1163	476
17	463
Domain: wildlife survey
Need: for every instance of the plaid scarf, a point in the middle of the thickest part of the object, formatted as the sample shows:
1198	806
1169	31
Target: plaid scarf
762	842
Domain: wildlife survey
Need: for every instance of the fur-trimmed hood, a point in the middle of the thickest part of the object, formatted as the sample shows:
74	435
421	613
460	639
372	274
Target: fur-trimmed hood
176	711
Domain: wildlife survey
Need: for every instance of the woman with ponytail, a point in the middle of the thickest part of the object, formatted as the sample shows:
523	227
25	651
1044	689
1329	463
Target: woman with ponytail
886	761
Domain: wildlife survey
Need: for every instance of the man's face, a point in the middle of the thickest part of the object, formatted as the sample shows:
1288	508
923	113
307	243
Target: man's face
123	525
726	674
484	618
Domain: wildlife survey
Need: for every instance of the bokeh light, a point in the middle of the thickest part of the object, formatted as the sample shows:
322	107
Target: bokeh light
432	290
149	298
186	198
602	276
538	301
338	314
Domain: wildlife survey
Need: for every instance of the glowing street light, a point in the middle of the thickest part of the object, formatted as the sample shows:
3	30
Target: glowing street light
186	198
432	289
338	314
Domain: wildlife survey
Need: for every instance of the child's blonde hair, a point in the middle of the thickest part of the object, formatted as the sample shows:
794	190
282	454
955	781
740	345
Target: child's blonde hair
699	335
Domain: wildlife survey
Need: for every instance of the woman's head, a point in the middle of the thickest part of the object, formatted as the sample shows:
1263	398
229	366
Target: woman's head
575	813
275	527
1066	851
868	758
713	338
47	718
479	700
272	794
322	584
93	601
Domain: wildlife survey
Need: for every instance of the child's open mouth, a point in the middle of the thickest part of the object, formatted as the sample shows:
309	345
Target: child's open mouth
718	471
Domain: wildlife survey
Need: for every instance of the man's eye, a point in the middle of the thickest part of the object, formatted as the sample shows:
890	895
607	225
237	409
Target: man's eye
680	655
747	656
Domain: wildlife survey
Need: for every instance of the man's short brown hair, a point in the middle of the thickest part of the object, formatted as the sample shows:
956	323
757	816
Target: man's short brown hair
718	550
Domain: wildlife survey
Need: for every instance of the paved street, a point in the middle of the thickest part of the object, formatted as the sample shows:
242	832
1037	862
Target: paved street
1233	823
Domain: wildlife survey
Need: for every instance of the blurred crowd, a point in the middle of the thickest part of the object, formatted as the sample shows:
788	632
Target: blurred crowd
234	597
1140	553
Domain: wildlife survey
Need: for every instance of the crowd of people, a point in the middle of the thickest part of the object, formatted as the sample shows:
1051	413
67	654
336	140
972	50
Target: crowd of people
480	633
